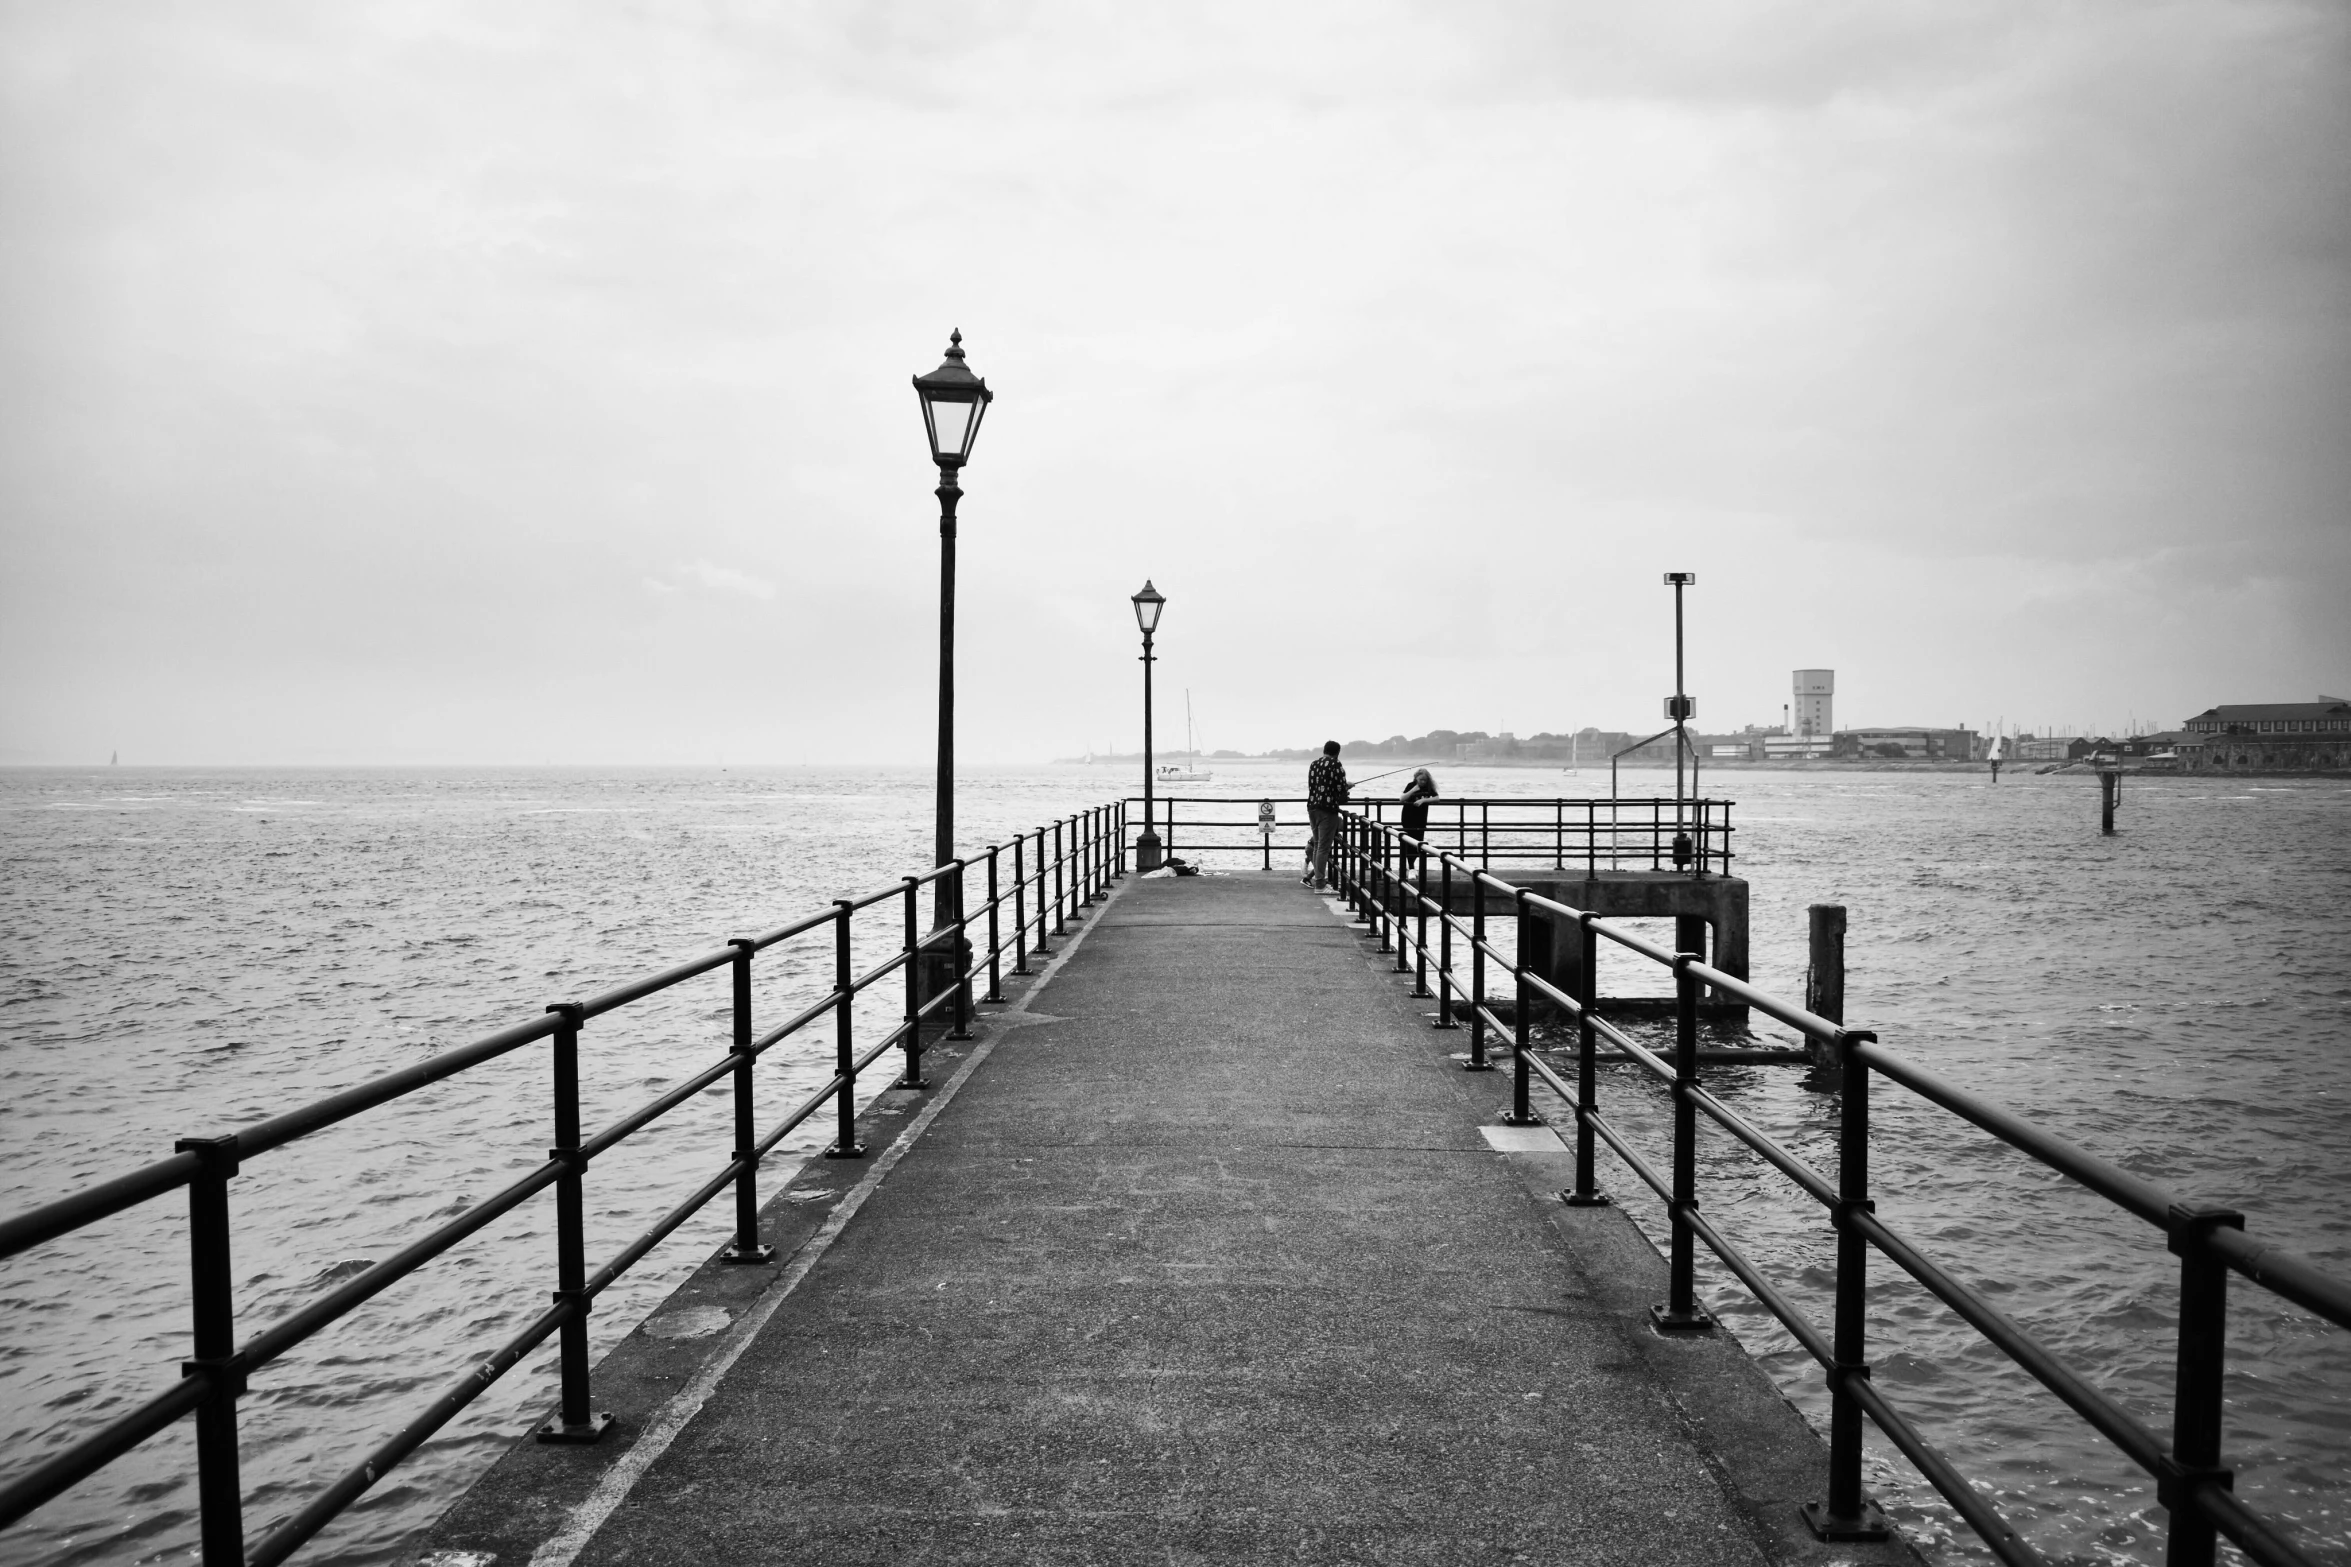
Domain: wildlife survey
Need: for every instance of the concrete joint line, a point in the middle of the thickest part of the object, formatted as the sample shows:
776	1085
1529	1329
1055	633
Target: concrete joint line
564	1547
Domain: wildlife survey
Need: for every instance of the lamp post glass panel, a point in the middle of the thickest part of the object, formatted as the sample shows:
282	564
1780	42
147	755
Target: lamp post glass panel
1148	604
954	401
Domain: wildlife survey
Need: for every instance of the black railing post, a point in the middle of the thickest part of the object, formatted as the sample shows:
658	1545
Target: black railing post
911	1044
1587	1084
1085	851
2196	1390
1360	873
745	1247
1681	1312
1392	845
1522	1113
1043	950
1445	1017
1384	898
1020	905
1059	927
1120	841
220	1493
845	1144
1848	1514
1420	924
962	952
574	1419
1477	1061
1592	841
995	941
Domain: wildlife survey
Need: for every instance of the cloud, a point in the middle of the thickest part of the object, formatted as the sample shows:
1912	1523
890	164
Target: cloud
727	580
1437	330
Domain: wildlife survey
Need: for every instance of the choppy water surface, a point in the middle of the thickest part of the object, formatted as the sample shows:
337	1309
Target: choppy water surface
183	952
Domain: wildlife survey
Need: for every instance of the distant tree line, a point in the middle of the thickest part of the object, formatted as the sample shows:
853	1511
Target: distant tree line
1459	745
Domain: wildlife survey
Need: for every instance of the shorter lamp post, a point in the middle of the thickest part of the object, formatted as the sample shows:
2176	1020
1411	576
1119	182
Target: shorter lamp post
1681	709
1148	604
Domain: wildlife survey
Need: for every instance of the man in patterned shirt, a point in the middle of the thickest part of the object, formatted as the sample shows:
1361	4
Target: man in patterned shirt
1326	791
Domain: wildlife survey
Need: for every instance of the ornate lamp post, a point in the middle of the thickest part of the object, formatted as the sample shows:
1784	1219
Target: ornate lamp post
1148	604
953	403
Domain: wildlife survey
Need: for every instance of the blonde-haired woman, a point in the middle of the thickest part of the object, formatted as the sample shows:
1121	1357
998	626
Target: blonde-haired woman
1417	795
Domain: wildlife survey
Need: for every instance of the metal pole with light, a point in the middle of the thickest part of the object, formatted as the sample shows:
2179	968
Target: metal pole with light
1681	710
1148	604
953	403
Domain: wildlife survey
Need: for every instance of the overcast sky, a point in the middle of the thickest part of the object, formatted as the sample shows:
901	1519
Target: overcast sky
528	382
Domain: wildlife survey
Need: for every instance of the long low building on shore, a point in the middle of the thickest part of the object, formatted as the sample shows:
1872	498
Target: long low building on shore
2269	737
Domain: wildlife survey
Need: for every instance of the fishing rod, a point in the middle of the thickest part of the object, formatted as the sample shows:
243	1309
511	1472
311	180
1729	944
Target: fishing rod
1375	777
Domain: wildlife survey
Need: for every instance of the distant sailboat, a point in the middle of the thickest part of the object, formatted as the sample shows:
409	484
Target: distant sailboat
1190	772
114	759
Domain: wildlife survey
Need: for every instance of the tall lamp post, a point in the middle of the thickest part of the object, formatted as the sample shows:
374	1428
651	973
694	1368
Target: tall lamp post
1148	604
953	403
1681	709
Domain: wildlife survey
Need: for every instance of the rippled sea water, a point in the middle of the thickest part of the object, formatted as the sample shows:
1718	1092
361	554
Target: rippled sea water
185	951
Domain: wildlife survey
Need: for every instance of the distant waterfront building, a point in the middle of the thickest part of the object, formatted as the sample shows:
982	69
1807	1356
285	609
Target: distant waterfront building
2269	737
1813	712
1909	740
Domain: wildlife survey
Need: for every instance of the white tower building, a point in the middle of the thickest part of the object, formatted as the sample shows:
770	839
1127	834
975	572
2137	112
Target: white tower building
1815	703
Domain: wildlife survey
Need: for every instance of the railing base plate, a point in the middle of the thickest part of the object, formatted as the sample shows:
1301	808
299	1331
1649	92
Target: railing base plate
1596	1200
1531	1118
592	1430
1665	1320
853	1151
1871	1525
752	1256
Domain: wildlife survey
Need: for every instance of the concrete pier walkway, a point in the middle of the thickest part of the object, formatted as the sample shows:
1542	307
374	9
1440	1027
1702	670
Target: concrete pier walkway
1212	1258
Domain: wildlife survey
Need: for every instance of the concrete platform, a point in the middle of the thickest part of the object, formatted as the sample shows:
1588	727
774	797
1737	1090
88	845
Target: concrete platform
1205	1252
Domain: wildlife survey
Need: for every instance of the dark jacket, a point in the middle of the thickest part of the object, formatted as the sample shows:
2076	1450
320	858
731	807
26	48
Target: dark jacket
1416	810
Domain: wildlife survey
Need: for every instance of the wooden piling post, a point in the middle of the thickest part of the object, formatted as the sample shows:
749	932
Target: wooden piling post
2109	796
1824	977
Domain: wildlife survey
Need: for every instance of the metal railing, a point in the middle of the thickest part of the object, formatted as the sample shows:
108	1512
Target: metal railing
1592	835
1073	862
1387	885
